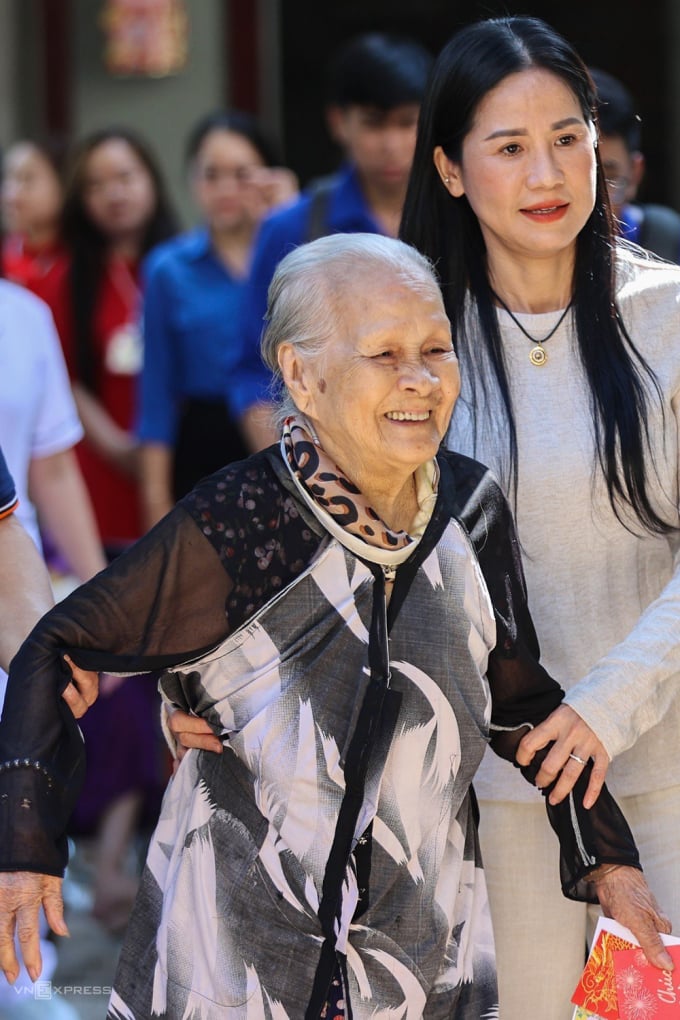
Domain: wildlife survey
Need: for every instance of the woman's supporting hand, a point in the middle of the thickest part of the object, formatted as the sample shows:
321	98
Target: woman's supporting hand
191	731
574	744
83	690
625	896
22	893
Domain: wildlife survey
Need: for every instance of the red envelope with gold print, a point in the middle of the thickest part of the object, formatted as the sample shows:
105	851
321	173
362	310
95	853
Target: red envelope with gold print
596	991
597	996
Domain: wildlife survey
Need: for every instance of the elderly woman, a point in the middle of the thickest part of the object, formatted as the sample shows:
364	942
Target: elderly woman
347	611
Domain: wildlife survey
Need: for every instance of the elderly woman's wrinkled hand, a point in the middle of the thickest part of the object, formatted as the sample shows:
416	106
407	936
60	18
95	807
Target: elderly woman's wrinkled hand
83	690
22	893
625	896
574	744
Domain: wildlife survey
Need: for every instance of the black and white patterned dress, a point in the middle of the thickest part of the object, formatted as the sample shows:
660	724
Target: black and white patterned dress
337	829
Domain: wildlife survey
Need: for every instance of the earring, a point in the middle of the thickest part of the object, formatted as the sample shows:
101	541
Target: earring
446	180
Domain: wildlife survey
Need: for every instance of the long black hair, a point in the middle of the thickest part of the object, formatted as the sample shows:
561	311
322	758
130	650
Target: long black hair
88	246
446	229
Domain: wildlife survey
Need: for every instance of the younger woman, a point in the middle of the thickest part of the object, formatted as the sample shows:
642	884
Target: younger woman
115	211
568	346
191	395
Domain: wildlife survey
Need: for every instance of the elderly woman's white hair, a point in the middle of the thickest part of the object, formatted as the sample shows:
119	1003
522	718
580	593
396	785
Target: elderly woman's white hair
312	282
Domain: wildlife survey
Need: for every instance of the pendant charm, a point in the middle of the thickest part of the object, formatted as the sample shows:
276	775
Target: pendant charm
537	356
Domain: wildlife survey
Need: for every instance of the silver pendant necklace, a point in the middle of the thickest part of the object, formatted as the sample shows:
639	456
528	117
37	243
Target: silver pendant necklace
537	356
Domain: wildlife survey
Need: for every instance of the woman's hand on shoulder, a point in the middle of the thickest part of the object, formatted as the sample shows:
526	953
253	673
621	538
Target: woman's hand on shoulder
574	744
22	893
624	895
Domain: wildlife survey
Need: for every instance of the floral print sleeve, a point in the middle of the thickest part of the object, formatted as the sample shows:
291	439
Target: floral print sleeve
257	530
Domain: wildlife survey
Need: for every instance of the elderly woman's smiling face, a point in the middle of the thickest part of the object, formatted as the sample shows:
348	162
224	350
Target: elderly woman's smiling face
381	394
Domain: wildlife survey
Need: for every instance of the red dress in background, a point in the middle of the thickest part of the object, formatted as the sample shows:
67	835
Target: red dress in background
32	267
118	359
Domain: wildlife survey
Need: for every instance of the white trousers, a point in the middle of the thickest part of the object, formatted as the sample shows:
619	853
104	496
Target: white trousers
541	937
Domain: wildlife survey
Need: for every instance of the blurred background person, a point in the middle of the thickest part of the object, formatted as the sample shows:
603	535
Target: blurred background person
652	226
115	210
32	199
374	86
193	289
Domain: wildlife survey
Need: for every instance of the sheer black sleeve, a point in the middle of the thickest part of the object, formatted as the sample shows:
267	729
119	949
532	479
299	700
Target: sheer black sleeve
523	693
160	603
236	540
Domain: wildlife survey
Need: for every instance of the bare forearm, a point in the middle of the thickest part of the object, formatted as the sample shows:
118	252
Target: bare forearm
111	441
64	507
25	592
156	487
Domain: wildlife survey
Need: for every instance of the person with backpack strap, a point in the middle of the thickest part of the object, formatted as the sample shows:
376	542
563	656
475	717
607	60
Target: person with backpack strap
374	86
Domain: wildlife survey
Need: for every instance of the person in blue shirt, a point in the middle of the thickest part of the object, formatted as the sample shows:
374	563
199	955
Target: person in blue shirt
191	393
374	86
650	225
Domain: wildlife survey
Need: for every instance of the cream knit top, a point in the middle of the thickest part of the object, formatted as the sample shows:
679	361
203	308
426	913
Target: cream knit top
605	602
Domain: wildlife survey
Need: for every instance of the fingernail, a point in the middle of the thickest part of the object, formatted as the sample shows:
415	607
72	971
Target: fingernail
11	976
34	972
666	961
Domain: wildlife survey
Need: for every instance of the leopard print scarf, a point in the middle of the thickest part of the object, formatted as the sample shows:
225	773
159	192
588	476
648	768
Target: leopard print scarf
335	494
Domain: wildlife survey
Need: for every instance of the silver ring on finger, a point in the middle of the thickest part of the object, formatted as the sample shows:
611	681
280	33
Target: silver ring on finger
581	761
